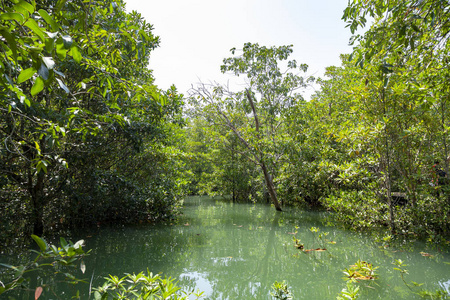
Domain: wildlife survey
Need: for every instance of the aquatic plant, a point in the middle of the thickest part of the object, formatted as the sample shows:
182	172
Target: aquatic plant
280	291
351	292
414	286
361	270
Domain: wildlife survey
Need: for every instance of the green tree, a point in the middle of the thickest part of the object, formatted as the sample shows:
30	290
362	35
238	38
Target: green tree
77	102
255	116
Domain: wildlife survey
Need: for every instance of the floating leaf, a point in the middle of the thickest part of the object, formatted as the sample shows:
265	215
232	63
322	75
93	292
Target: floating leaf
426	254
317	250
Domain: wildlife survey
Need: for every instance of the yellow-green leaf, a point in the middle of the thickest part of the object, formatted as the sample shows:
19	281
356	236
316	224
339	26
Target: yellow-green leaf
12	16
25	5
38	86
26	74
76	54
44	14
41	242
35	28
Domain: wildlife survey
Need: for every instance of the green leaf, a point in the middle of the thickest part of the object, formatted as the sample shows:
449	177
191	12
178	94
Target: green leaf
43	72
25	75
11	42
12	16
42	166
37	87
63	242
60	5
83	267
76	54
25	100
35	28
48	19
61	51
25	5
8	266
41	242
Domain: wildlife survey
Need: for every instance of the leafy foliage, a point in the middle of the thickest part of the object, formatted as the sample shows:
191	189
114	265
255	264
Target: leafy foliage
81	118
249	123
50	259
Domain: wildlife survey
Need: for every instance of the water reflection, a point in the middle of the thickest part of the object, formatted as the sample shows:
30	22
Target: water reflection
237	251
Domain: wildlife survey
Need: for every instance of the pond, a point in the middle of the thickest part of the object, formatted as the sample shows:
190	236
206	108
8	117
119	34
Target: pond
237	251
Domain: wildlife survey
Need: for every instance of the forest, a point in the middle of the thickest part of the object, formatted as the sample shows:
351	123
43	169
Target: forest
87	138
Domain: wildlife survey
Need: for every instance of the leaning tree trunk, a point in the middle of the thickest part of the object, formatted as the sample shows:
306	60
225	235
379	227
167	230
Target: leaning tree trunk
271	187
267	177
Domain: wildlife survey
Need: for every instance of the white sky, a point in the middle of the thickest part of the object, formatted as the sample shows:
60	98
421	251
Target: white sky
196	35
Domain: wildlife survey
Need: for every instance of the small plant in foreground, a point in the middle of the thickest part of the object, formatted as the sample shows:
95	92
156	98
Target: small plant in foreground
53	260
141	286
280	291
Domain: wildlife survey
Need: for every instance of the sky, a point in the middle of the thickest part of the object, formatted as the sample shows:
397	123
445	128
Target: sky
196	35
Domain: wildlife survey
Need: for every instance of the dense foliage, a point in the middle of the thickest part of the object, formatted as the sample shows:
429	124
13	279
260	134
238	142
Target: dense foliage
87	138
367	143
86	135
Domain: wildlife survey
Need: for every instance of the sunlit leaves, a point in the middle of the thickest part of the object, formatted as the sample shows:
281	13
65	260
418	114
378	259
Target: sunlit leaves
25	75
44	14
38	85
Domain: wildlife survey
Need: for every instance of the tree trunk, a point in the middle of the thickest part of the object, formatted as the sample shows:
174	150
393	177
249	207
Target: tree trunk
38	205
37	198
270	187
267	177
388	165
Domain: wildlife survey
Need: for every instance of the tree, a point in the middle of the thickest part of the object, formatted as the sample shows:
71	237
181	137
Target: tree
74	86
255	116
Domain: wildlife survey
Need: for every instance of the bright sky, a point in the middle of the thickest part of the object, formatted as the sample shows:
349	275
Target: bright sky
196	35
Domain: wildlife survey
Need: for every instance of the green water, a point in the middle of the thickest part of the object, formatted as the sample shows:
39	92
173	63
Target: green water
237	251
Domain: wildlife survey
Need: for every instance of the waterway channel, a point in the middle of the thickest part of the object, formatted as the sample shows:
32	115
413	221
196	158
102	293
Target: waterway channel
237	251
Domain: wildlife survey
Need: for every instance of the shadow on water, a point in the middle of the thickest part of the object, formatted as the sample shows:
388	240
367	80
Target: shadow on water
237	251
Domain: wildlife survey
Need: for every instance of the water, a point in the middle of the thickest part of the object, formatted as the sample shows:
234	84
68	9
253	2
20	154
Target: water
237	251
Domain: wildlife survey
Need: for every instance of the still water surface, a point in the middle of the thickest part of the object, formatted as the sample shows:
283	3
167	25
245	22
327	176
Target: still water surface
237	251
